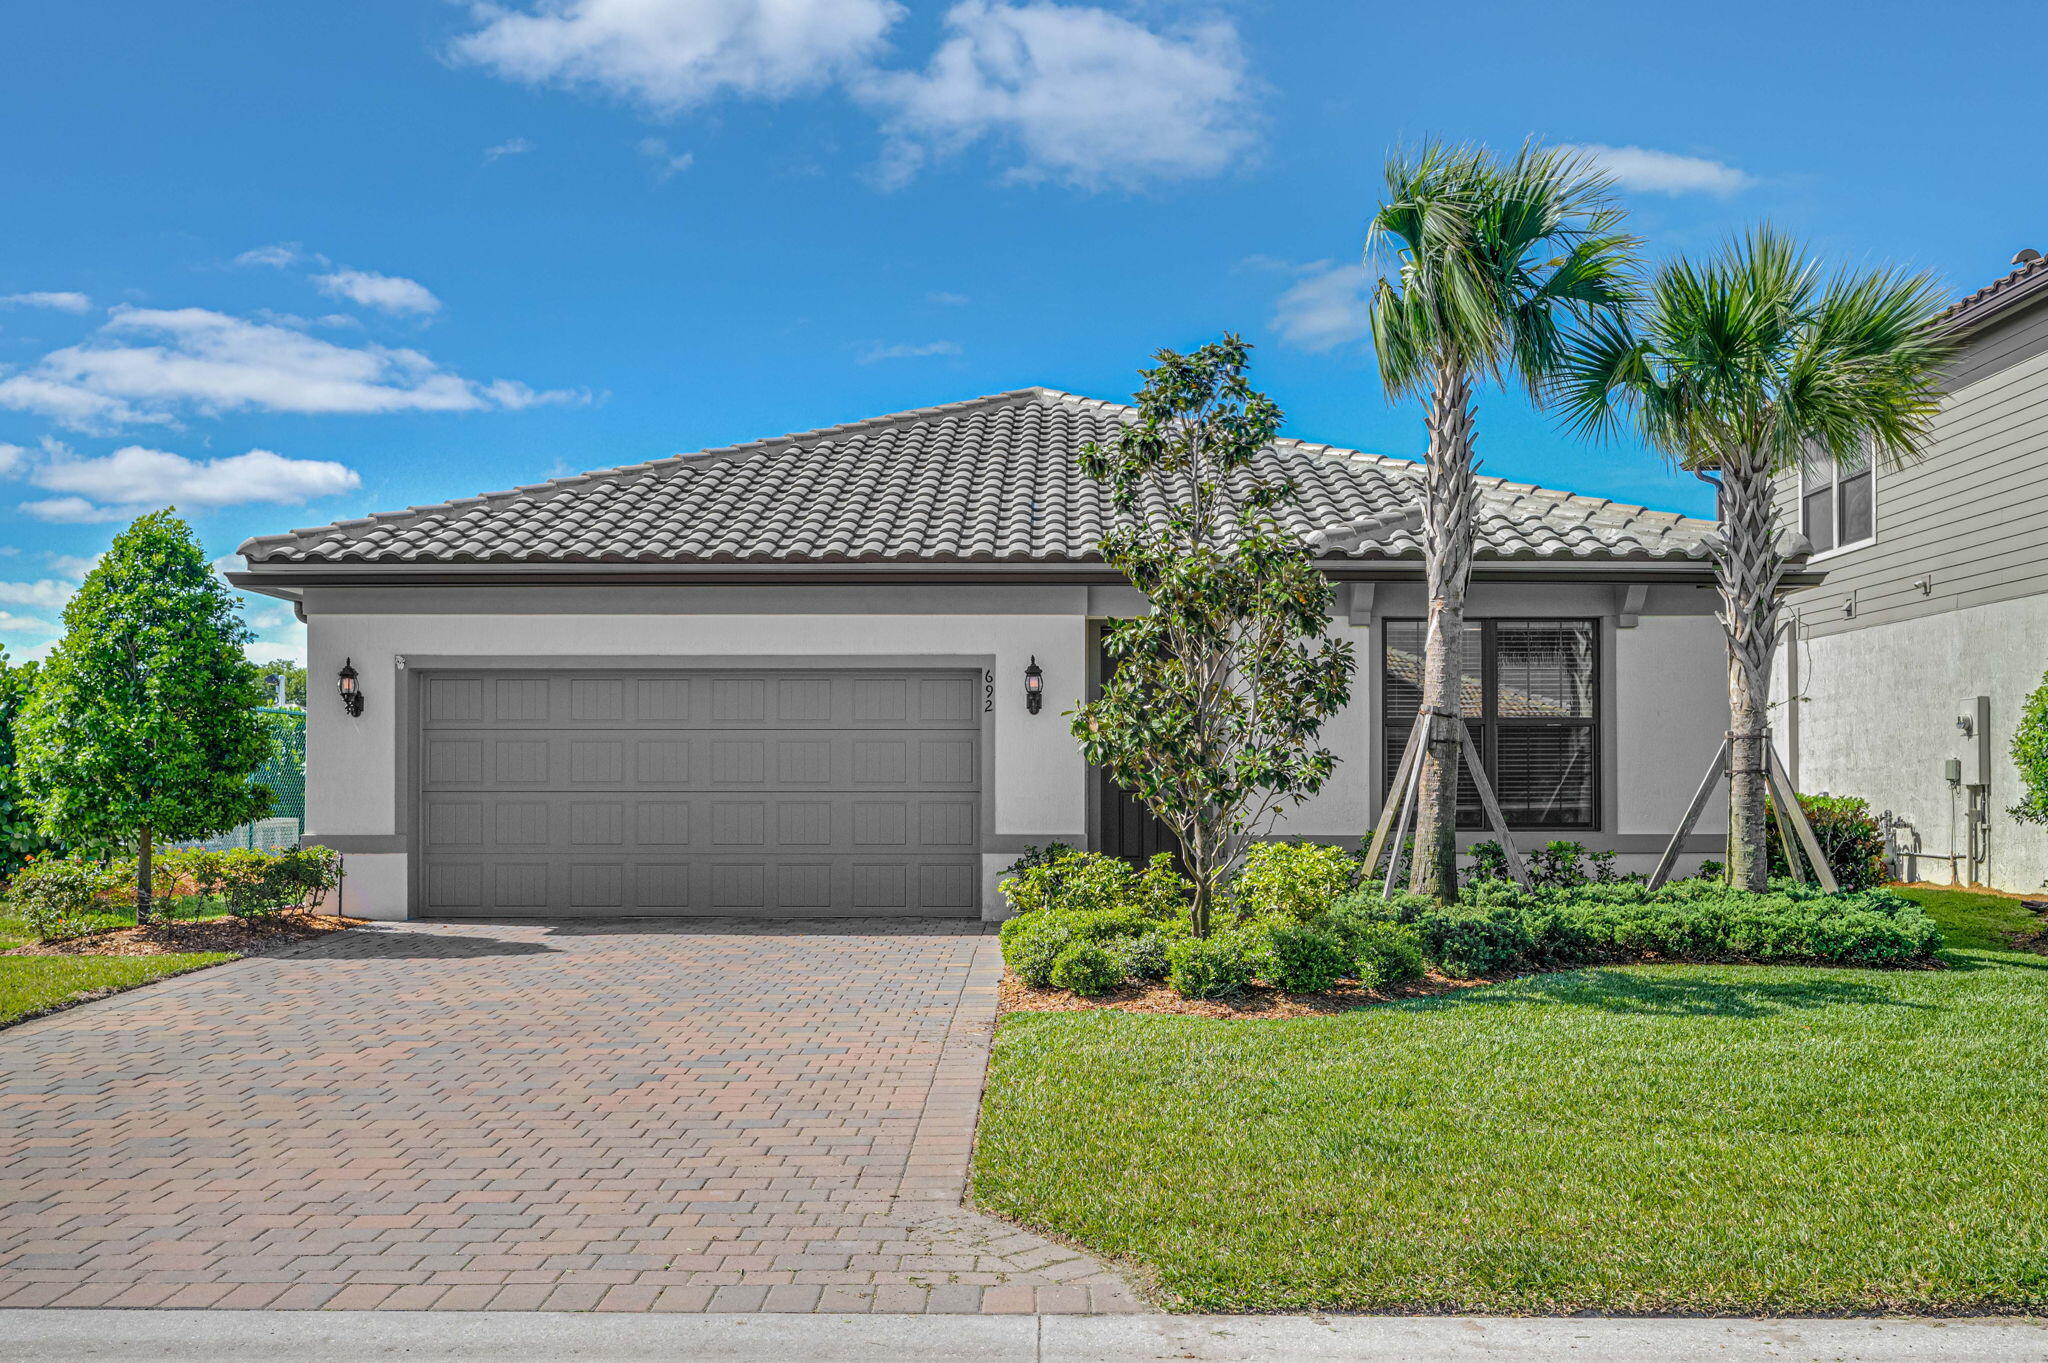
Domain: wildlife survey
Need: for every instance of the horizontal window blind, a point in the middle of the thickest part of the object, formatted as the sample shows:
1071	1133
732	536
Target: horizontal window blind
1529	690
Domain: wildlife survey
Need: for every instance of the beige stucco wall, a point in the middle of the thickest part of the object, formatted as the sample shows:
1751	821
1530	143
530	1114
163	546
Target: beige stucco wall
1665	693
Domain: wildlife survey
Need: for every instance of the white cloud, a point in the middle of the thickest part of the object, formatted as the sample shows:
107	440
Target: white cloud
48	594
947	299
1325	307
906	351
10	623
72	511
511	146
73	566
208	362
277	256
666	161
390	293
1663	172
63	300
286	642
668	55
1085	96
11	457
118	485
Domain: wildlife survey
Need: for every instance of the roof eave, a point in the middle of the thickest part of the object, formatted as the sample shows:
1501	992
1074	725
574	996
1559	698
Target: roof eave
289	580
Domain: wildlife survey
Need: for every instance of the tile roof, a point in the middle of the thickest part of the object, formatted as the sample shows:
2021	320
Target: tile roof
993	479
2027	280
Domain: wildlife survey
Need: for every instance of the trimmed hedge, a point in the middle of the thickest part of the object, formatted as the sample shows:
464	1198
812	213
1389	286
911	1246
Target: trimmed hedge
1504	927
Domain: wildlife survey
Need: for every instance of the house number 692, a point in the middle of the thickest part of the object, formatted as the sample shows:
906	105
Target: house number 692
988	693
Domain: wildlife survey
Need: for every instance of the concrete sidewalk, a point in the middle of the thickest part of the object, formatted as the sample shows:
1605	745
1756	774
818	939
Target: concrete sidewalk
540	1337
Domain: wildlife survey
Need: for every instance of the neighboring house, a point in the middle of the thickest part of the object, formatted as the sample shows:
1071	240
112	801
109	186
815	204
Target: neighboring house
1933	613
787	677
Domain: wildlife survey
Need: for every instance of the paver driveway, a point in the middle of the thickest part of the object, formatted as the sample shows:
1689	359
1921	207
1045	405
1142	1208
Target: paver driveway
615	1116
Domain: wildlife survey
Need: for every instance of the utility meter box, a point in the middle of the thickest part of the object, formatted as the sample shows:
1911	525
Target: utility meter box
1977	763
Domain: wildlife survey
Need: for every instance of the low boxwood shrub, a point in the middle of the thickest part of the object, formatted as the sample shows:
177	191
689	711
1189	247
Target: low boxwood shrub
1088	968
1292	880
1033	942
1303	959
1469	941
1385	953
1212	967
1145	956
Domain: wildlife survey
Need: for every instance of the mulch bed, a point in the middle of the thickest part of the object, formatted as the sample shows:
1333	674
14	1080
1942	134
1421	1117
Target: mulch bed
244	938
1256	1002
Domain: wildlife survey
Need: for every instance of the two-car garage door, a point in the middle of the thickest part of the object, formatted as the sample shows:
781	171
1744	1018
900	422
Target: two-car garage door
783	792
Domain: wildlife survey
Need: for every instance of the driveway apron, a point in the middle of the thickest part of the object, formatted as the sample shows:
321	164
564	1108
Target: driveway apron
693	1116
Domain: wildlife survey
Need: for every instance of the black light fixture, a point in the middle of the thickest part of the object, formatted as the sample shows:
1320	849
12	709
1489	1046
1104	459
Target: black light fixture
351	697
1034	685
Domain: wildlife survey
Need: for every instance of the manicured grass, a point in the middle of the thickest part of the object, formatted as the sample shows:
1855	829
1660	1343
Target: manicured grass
1640	1139
36	984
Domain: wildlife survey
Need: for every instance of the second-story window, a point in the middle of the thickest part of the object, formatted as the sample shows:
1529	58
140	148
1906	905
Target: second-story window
1837	502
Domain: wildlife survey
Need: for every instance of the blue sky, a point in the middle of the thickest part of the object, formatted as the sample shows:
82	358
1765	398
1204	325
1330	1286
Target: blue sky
283	264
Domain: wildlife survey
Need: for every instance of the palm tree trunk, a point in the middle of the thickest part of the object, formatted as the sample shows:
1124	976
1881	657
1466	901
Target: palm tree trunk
1748	567
1447	511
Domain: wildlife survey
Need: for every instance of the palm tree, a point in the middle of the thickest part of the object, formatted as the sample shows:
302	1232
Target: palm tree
1739	369
1490	266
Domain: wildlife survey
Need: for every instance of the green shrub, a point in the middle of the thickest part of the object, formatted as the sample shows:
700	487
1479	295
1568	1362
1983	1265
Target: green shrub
1292	880
62	897
1489	861
1384	953
1700	920
1145	956
1303	959
2030	757
1032	946
1212	967
247	883
1036	855
1033	942
1848	836
1466	942
1087	968
1081	882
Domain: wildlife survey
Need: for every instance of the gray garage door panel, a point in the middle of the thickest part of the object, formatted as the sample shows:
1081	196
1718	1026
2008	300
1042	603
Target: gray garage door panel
755	792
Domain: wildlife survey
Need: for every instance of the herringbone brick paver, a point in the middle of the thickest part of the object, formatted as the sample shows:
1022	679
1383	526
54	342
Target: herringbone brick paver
618	1116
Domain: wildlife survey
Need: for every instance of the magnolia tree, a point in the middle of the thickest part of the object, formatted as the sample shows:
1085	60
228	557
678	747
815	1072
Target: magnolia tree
143	724
1211	714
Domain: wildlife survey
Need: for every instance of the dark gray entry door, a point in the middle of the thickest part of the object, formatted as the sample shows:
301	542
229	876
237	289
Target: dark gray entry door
776	793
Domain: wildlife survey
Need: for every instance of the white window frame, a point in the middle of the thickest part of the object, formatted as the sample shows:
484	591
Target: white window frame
1834	475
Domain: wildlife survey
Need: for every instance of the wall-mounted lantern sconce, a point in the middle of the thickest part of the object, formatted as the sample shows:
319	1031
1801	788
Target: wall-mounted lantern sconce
351	694
1034	686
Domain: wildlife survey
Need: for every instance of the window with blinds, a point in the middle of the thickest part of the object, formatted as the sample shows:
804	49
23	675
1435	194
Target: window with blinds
1529	693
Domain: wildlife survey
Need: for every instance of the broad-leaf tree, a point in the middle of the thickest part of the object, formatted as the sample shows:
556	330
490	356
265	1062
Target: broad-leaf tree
1211	714
1739	369
19	836
143	726
294	675
1489	265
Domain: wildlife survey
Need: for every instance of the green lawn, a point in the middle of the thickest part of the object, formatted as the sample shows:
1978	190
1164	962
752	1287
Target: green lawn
1635	1139
36	984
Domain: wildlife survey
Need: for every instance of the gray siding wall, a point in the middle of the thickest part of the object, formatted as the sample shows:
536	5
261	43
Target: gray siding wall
1972	517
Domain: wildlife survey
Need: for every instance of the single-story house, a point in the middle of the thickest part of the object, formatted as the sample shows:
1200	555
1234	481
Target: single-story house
788	677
